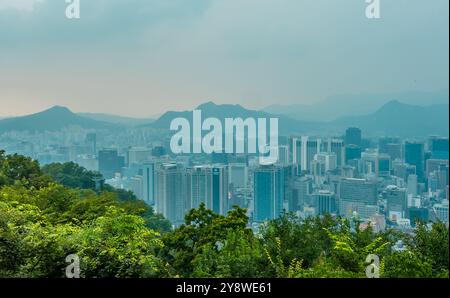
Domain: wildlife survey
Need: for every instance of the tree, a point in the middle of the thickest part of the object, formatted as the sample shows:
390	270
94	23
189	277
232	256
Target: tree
20	169
432	244
202	229
300	239
238	255
118	245
406	264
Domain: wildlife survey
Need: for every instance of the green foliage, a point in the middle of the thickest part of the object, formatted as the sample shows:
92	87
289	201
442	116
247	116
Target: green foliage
20	169
433	245
71	175
202	229
406	264
238	255
118	245
46	215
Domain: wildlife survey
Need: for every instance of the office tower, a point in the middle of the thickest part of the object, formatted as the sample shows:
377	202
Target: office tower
136	185
312	148
412	185
296	149
394	150
352	152
443	176
283	155
219	190
324	202
385	142
357	195
148	177
209	185
353	136
109	162
88	162
302	188
321	165
383	165
414	155
268	192
433	165
433	182
376	163
238	175
170	200
337	147
402	170
439	148
396	201
328	160
138	155
91	143
199	181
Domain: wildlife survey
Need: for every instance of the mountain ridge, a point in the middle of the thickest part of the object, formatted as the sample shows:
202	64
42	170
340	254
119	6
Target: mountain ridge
393	118
54	118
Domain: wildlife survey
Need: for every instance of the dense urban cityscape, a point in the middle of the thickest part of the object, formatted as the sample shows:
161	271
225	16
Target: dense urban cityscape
385	181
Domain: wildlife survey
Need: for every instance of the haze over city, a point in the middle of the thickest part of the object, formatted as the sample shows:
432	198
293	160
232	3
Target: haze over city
143	58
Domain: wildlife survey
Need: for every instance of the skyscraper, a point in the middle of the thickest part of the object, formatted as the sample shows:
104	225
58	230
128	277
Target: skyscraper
414	155
353	136
337	147
301	191
439	148
397	202
296	149
355	195
352	152
148	177
324	202
209	185
109	162
268	192
171	192
412	184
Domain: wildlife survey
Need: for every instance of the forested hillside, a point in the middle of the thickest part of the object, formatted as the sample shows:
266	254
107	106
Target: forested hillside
49	213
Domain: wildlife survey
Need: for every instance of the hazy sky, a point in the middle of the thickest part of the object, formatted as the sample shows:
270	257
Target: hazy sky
143	57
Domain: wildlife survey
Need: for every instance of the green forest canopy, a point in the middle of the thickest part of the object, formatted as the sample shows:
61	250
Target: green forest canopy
51	212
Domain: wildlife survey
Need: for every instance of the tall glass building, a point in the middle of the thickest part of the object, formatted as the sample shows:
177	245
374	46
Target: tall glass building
268	192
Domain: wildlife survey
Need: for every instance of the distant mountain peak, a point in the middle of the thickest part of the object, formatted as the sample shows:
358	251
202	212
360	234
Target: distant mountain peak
58	109
394	102
52	119
209	104
212	105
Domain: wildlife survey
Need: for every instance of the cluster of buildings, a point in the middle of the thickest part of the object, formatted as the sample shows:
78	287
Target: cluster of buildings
385	182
